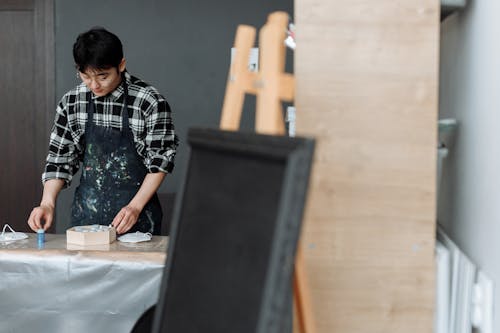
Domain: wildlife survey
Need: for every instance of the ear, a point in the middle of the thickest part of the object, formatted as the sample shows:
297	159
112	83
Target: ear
121	66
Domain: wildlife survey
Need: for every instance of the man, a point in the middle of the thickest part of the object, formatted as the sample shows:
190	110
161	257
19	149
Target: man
121	130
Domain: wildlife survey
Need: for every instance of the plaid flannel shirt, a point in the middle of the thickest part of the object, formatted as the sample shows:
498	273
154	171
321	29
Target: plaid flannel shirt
149	117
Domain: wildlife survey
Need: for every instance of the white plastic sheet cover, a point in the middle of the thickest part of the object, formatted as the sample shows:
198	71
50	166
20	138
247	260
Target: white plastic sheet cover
71	291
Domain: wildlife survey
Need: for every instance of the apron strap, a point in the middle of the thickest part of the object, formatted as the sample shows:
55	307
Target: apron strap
124	112
90	110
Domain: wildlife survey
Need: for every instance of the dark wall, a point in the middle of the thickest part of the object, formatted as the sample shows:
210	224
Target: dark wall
181	47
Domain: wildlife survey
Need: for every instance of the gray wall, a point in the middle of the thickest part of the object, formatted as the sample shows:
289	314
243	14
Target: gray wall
181	47
469	206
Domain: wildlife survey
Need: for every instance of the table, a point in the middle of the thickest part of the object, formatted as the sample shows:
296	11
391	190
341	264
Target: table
69	288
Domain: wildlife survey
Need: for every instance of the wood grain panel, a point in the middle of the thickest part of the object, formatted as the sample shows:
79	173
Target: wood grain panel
17	5
367	75
18	107
27	97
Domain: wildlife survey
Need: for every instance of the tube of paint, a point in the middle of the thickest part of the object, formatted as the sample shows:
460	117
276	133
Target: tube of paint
40	237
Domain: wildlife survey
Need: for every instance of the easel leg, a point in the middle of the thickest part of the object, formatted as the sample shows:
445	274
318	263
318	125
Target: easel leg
302	298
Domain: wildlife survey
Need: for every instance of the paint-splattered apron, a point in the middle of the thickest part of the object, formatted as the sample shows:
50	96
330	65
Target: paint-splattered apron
111	176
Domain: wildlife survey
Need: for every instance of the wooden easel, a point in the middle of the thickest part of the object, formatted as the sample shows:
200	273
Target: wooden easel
271	85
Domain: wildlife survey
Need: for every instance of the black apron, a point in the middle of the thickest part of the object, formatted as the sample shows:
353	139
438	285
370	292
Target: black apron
112	173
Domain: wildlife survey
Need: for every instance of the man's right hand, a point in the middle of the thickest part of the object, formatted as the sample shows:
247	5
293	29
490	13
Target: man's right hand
41	217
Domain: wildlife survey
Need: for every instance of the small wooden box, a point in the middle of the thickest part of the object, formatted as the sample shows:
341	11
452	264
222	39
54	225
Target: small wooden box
91	235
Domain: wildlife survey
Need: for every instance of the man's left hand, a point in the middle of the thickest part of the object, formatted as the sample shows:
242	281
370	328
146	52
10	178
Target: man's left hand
125	219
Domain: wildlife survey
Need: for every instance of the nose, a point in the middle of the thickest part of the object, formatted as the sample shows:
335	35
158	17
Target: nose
94	84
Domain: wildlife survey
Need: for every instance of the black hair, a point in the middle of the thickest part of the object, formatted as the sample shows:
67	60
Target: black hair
97	49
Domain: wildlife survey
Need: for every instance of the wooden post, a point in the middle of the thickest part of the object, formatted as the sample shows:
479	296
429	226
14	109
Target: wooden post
367	88
274	85
240	79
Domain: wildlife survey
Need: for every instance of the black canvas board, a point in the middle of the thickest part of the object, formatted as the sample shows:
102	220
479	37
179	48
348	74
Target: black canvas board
234	233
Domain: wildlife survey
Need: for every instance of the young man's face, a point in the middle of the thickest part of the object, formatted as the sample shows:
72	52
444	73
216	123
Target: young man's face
103	81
